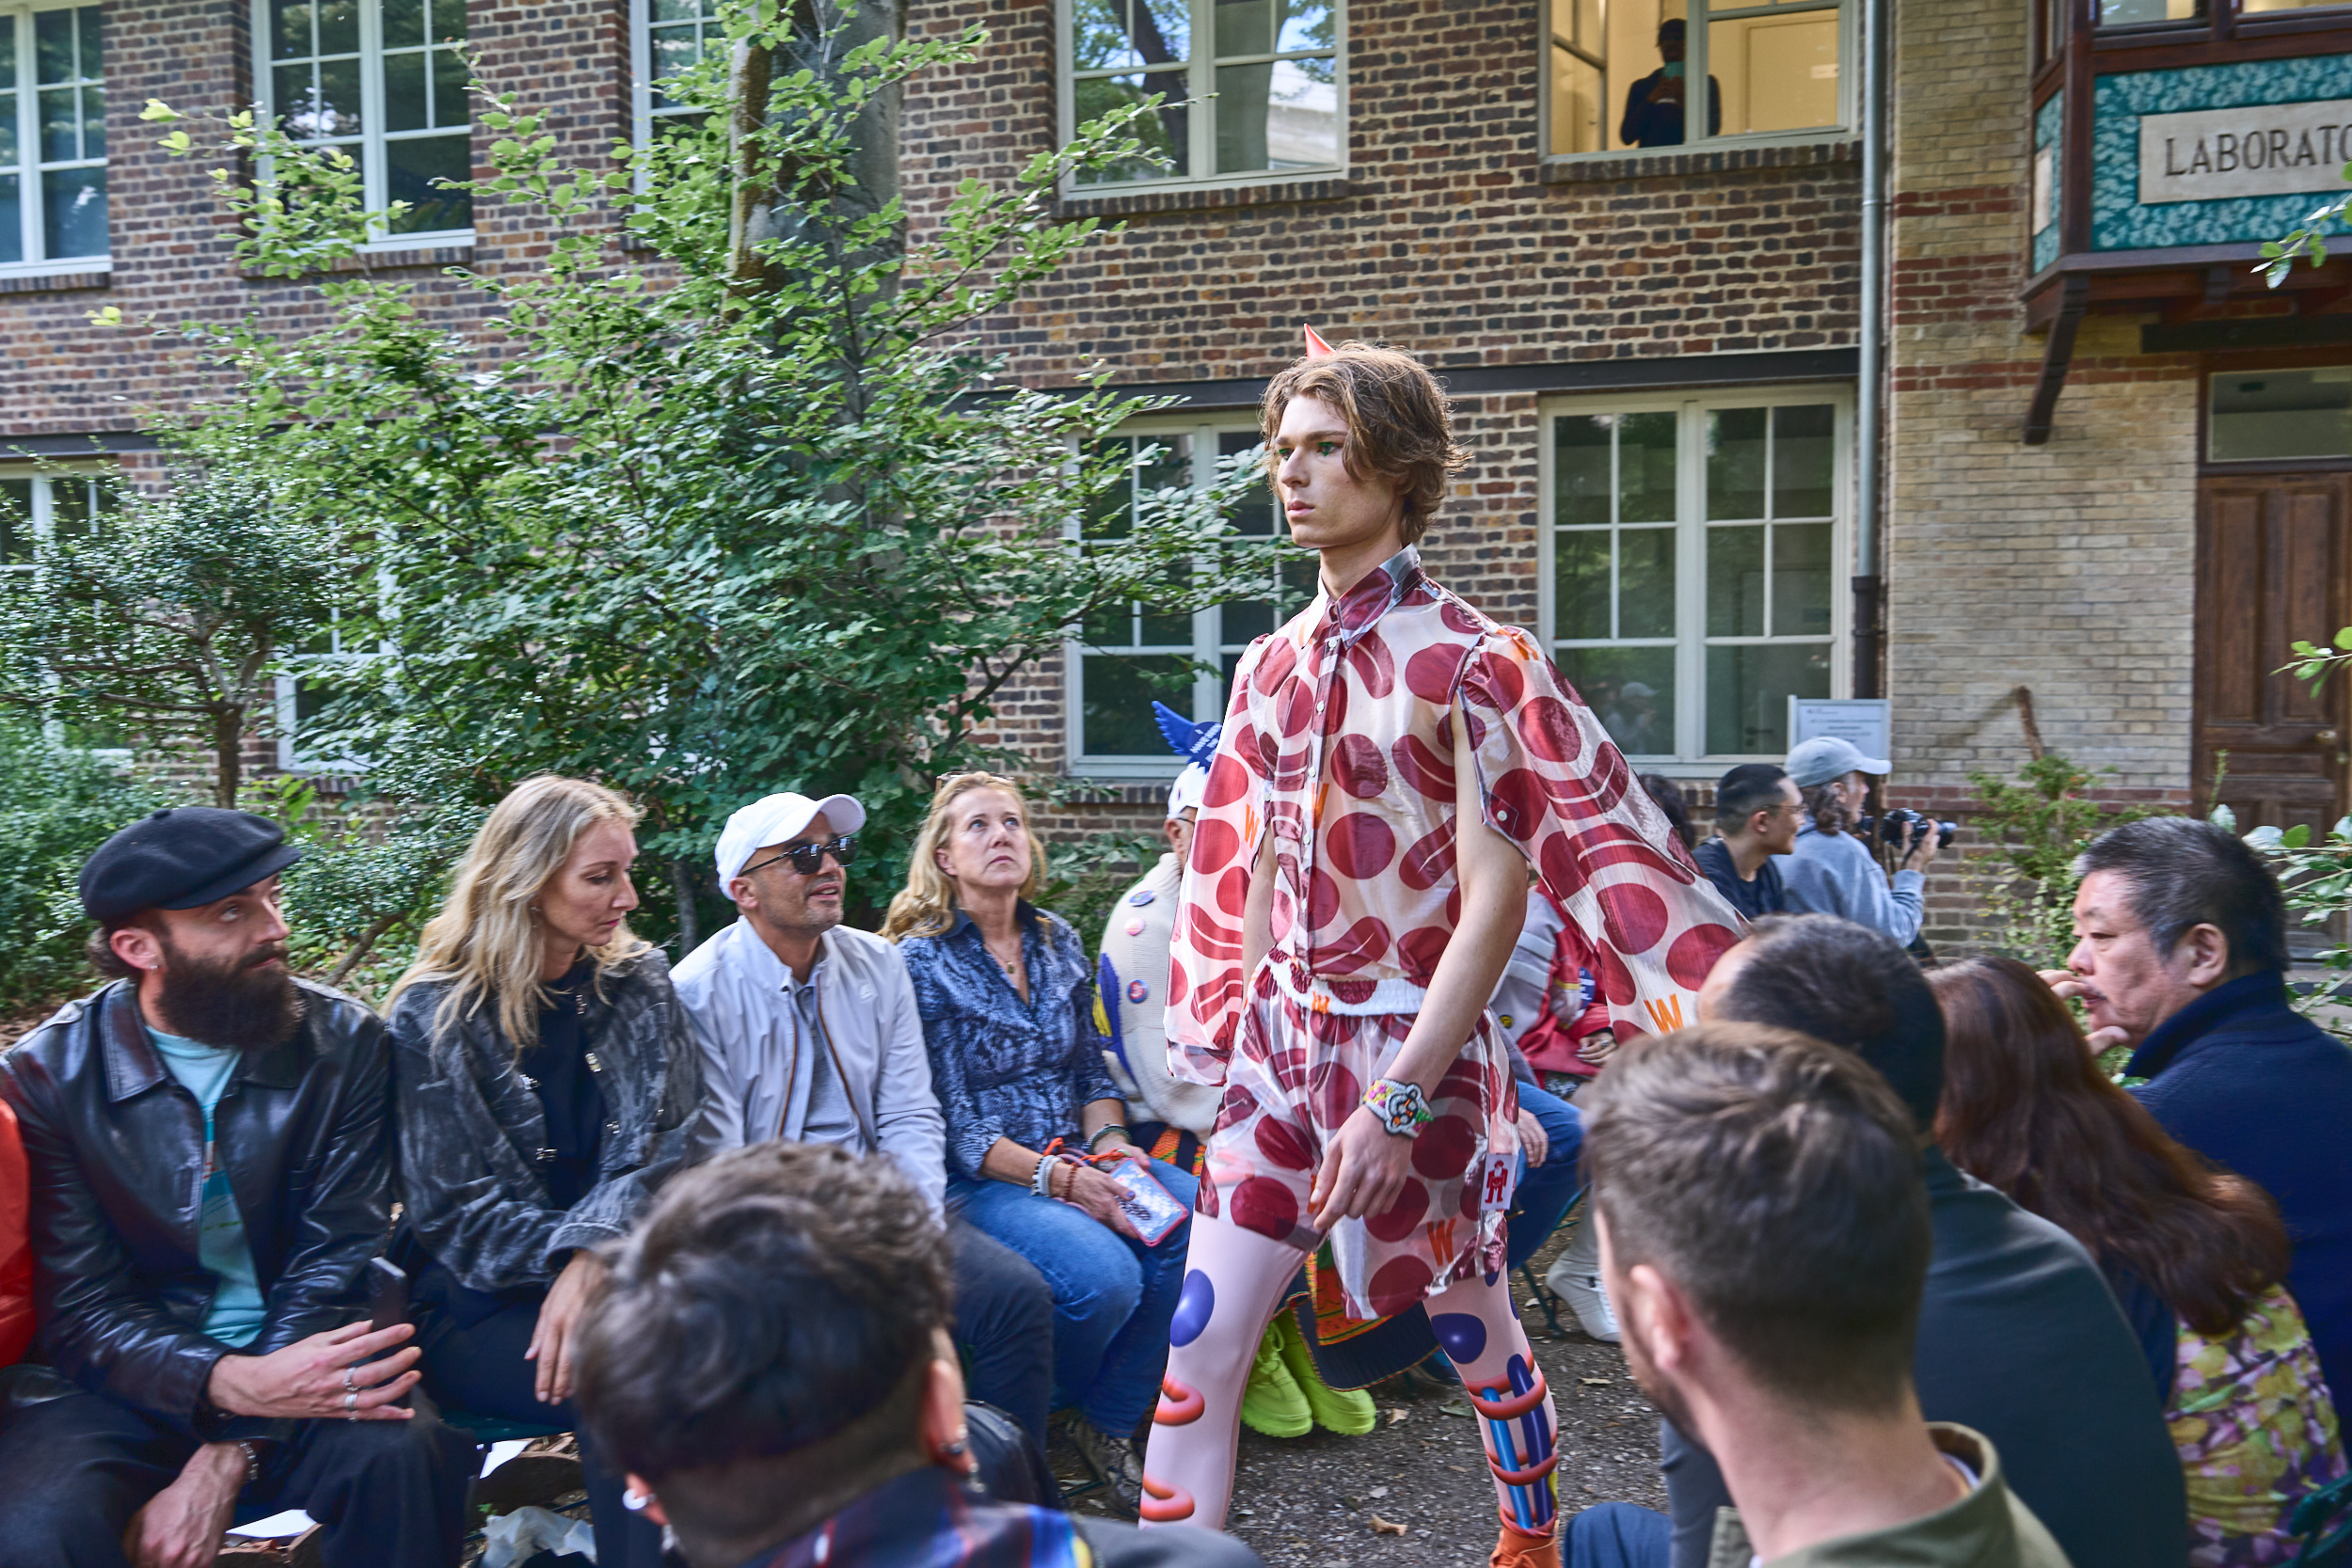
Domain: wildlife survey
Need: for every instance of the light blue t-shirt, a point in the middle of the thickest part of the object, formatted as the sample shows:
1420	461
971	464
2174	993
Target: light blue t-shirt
237	1311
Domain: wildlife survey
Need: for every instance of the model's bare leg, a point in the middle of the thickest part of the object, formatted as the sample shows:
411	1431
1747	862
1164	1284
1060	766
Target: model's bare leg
1475	1323
1232	1281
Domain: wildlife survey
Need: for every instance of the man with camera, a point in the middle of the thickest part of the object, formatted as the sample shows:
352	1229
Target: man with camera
209	1144
1835	868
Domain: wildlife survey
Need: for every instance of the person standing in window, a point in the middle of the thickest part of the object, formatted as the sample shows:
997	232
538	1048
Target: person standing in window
545	1077
1654	105
1007	997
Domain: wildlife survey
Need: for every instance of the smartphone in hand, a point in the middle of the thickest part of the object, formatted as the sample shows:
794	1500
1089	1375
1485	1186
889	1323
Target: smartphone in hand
387	1293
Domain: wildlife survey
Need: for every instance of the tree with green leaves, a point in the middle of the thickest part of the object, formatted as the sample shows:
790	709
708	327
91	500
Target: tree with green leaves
737	510
172	619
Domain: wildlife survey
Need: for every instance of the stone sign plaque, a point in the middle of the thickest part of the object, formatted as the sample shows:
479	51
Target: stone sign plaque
2257	150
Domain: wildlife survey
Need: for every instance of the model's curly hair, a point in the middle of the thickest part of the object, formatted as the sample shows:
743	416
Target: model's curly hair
1397	422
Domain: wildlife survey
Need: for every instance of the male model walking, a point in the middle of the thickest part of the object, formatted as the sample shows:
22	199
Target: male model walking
1392	762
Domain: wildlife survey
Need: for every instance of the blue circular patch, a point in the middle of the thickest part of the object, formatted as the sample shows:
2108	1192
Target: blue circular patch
1194	1308
1137	991
1141	896
1463	1335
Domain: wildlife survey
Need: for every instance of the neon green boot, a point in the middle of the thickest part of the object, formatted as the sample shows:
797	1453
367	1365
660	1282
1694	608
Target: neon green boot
1350	1412
1272	1404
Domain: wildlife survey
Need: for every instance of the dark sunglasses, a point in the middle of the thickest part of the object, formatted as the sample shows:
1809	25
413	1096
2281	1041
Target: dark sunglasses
809	859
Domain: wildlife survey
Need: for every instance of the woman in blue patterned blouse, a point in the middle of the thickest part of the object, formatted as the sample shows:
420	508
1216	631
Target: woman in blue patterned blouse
1008	1003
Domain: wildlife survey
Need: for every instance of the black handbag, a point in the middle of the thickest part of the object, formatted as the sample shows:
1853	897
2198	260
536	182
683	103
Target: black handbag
1012	1469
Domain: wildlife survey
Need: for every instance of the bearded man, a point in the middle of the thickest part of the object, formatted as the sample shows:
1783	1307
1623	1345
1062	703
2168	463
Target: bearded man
210	1148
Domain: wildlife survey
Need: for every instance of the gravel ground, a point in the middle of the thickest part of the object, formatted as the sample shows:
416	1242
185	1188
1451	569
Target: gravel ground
1312	1499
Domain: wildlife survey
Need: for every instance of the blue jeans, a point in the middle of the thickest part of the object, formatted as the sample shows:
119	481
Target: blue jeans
1614	1535
1546	1191
1113	1297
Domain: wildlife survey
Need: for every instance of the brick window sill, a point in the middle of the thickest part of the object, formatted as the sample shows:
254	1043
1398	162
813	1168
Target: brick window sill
379	260
57	282
1653	166
1188	198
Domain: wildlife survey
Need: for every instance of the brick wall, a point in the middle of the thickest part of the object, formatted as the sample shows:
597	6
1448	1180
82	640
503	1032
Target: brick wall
2067	567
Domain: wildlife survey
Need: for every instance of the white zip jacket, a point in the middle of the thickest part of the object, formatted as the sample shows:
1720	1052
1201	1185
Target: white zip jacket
739	997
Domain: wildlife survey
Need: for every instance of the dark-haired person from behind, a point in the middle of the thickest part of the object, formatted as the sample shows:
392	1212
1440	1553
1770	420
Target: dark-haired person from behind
1757	812
2181	952
1764	1232
2019	1336
833	1432
2195	1256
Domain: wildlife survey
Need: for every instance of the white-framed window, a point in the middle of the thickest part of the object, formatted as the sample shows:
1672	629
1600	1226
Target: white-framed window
1690	564
1128	657
1624	75
1255	89
47	505
299	699
385	80
666	37
52	137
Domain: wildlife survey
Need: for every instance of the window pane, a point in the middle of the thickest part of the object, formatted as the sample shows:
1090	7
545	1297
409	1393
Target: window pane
1646	582
8	66
16	521
1748	688
1803	446
53	45
338	26
2123	13
1581	584
71	509
1107	34
11	219
1775	72
91	24
1245	27
1255	515
93	122
60	124
73	211
1643	54
1118	696
1801	579
338	112
1632	690
1276	116
1735	463
290	31
1645	467
402	23
450	101
409	169
1241	116
2271	413
1579	51
1735	582
448	20
1580	468
404	91
1165	132
1305	24
673	49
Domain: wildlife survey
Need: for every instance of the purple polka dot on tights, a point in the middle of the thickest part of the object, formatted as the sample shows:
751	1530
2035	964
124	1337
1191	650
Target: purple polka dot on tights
1463	1335
1194	1308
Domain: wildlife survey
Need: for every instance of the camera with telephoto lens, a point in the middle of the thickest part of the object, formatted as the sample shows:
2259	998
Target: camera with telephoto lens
1900	826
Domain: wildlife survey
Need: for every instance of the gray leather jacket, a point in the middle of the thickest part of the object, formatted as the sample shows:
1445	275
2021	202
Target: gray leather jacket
470	1130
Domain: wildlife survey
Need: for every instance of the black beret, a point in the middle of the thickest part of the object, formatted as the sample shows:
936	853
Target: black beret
180	857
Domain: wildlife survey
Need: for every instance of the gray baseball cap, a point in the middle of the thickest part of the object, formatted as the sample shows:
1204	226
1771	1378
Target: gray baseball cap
1826	757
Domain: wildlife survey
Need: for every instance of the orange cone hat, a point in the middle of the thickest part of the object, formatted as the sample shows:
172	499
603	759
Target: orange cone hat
1316	347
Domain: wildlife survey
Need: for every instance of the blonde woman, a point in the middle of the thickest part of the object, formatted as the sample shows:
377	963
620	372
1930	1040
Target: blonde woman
545	1082
1007	997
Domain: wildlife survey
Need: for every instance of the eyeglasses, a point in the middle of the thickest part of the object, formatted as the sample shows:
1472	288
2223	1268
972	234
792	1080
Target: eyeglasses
808	859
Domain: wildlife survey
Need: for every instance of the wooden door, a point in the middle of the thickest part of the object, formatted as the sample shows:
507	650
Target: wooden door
2271	556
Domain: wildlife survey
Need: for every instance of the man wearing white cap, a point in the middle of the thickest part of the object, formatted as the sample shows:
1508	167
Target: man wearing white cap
809	1033
1833	871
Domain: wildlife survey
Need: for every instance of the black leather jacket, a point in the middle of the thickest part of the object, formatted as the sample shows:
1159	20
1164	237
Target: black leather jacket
117	1154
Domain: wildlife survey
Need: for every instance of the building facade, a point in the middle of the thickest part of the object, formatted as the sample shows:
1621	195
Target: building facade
1627	234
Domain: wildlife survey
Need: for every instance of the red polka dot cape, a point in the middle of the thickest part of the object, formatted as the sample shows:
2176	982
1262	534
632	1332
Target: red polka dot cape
1339	741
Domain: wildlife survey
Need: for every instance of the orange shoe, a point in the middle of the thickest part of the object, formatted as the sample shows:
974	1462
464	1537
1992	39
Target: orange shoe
1519	1550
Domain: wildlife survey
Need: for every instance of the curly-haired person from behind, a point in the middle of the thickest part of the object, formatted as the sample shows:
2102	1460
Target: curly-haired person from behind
829	1434
2197	1257
1764	1233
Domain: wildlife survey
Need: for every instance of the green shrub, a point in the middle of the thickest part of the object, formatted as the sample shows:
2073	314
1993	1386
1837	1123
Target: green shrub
55	807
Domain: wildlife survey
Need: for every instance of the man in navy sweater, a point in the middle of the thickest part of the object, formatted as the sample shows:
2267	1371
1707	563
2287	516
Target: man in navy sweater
2181	952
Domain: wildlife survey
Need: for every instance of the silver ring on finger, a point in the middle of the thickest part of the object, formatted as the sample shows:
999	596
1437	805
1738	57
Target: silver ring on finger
348	1384
351	1403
